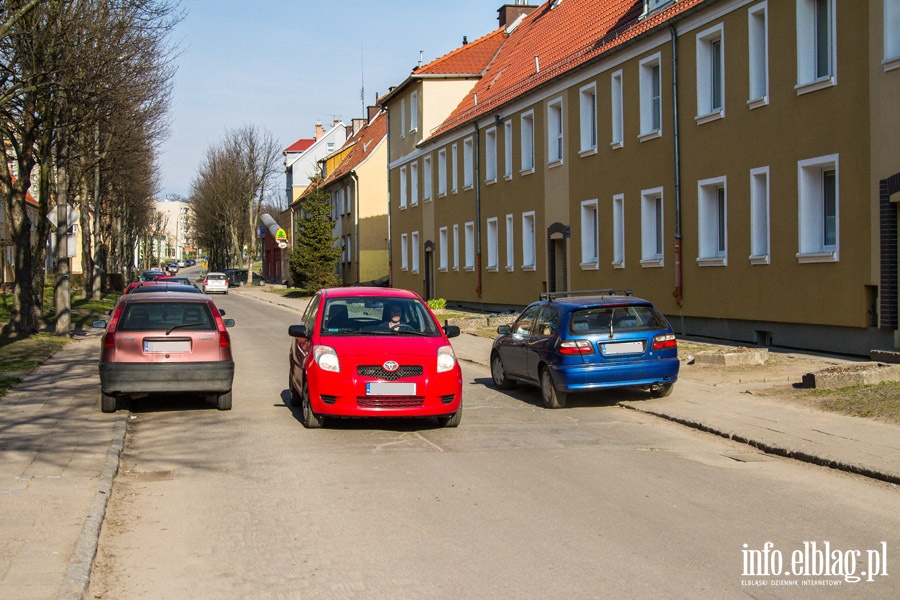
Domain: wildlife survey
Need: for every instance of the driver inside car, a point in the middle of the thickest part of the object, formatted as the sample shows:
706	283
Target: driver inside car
392	317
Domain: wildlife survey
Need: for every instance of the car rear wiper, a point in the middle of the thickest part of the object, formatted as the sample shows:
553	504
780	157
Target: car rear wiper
182	325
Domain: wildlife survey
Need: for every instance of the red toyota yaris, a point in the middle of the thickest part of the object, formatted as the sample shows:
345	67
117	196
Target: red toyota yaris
373	352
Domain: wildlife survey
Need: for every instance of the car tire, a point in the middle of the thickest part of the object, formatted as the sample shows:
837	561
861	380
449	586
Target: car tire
551	396
309	419
223	402
107	403
662	390
498	374
295	397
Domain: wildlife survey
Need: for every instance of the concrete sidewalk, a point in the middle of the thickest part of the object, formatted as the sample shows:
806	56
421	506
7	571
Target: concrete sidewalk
850	444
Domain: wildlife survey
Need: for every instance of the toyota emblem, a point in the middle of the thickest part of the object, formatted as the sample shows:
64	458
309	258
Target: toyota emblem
390	366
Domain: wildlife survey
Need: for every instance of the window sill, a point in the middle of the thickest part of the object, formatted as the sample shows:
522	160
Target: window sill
442	194
758	102
414	272
617	144
619	264
507	177
891	63
528	268
492	269
588	152
710	117
762	259
815	86
527	171
652	135
817	257
554	163
490	181
712	261
510	269
650	263
426	199
468	188
590	266
442	269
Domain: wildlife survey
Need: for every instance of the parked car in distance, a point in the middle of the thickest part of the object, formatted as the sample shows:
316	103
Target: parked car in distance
582	341
180	280
162	286
238	277
373	352
172	268
181	264
169	343
215	282
151	274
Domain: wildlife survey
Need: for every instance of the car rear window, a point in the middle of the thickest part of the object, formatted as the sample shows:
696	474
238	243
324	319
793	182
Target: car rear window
608	319
216	277
162	316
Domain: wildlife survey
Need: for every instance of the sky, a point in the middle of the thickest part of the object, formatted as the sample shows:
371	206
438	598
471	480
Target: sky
282	65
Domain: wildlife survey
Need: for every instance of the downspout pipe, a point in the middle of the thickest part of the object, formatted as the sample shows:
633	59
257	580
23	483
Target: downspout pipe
387	115
355	259
477	185
678	293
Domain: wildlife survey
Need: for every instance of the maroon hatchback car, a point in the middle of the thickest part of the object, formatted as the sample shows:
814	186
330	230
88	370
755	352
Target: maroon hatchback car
165	343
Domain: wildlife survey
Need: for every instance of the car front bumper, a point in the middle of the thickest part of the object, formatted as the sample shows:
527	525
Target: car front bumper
157	378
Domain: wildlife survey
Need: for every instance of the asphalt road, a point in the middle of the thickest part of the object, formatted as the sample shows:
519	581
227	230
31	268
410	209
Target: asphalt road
518	502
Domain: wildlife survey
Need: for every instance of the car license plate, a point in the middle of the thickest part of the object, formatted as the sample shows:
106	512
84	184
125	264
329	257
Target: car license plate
623	348
386	388
167	346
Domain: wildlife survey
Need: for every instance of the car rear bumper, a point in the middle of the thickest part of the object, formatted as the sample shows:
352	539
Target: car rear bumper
581	378
153	378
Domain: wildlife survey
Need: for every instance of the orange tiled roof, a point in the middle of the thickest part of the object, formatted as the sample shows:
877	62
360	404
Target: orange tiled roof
551	42
365	141
469	59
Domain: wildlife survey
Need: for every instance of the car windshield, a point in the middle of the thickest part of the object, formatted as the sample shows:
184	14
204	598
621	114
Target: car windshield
162	316
607	319
367	315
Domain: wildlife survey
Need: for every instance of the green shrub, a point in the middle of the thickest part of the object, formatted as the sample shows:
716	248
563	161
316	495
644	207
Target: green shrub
437	304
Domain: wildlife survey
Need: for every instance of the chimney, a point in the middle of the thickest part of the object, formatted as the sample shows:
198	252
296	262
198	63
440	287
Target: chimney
508	13
320	131
336	122
372	111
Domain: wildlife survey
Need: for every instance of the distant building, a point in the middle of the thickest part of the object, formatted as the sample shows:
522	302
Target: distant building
301	159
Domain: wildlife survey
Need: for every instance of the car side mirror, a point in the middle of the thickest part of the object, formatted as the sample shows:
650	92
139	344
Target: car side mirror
99	324
228	322
503	329
297	331
451	331
222	312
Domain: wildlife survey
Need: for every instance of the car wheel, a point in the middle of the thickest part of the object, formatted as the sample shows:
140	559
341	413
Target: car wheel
224	401
451	420
552	397
662	390
107	403
498	374
295	397
309	419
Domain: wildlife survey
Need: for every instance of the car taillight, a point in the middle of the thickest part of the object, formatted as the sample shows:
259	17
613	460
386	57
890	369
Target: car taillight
576	347
224	338
109	339
665	341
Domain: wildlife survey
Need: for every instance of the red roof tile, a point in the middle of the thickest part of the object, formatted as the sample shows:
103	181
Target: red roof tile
469	59
365	141
300	146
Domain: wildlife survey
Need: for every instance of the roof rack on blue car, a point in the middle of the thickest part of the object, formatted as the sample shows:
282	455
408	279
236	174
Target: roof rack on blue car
607	292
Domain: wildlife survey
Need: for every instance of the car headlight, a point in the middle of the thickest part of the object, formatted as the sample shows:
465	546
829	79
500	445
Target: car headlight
446	360
327	359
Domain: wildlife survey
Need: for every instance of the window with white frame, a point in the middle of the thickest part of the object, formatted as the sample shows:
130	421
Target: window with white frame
651	97
348	200
527	142
891	34
758	45
426	179
555	131
710	73
403	117
413	112
493	244
652	227
510	248
490	155
414	251
468	162
618	222
759	216
617	107
403	198
404	252
454	170
819	204
349	248
470	246
443	250
414	183
587	105
456	247
442	172
816	44
507	150
529	248
712	222
590	235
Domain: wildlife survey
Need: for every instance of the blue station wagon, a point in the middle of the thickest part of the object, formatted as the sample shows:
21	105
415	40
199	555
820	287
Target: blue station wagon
582	341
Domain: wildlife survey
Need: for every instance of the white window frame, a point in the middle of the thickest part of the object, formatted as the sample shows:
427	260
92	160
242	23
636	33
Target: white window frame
813	221
811	75
454	170
442	172
426	178
456	247
349	248
711	74
403	117
587	104
510	247
891	35
529	241
414	112
468	163
443	249
404	252
508	150
651	97
403	190
618	224
555	132
414	183
414	252
712	222
758	50
490	155
760	243
469	232
526	145
652	228
617	110
590	235
493	244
